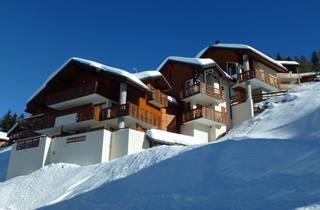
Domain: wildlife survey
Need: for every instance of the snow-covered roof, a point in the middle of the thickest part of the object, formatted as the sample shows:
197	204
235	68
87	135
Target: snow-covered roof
195	61
289	62
122	73
144	75
305	74
171	138
245	47
148	74
3	136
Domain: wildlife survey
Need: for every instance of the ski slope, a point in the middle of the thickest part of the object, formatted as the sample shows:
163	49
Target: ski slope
293	116
269	162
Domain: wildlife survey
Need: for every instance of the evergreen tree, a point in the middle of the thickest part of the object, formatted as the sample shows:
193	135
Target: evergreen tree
8	121
315	58
278	56
304	64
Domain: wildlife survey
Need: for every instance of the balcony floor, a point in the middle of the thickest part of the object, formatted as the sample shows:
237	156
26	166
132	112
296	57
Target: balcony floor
204	121
202	98
129	122
92	98
256	83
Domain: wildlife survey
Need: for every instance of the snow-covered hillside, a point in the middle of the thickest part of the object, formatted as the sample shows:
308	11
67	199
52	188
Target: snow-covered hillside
295	115
4	161
262	171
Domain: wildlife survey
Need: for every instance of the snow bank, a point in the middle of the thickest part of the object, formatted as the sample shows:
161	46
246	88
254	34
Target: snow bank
253	174
4	161
293	116
166	137
57	182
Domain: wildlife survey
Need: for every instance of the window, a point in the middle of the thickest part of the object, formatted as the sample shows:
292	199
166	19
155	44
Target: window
232	68
28	143
189	83
76	139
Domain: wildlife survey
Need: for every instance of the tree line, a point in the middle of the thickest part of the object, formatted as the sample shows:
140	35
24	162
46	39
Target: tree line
306	65
8	120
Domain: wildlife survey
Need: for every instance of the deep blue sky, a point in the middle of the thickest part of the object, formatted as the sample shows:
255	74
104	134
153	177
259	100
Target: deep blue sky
36	37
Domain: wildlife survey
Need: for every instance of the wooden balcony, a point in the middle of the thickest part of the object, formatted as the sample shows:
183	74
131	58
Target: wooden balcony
260	75
29	126
204	89
158	99
237	99
265	96
61	100
256	98
209	114
131	110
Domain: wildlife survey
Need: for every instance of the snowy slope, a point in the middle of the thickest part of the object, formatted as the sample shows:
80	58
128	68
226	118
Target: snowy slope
4	160
296	115
60	181
262	171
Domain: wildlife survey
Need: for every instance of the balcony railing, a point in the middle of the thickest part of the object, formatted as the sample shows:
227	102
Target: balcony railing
261	75
205	112
75	92
265	96
159	98
237	99
132	110
200	87
256	98
44	121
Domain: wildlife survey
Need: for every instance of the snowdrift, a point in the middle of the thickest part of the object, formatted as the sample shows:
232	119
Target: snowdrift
269	162
4	161
61	181
253	174
293	116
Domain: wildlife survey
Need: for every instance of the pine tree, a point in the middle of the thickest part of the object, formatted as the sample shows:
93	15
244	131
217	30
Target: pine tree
278	57
8	121
315	59
304	64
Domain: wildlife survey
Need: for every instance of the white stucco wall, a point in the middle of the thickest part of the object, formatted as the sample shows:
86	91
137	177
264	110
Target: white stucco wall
94	149
25	161
203	132
127	141
242	112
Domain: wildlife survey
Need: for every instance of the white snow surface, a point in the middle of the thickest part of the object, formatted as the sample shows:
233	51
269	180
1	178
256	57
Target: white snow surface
269	162
283	62
148	74
57	182
293	116
105	68
195	61
171	138
3	136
